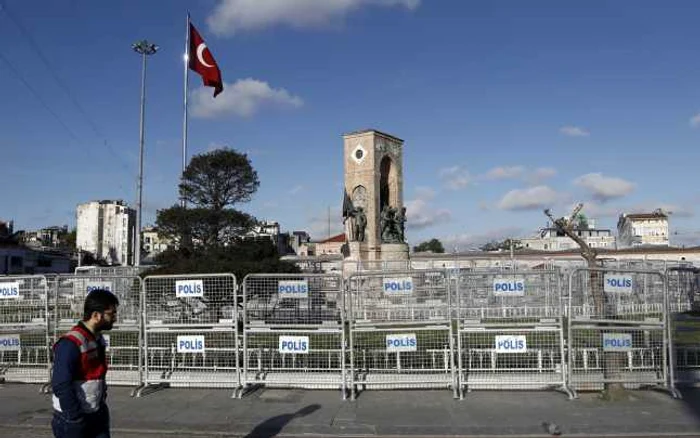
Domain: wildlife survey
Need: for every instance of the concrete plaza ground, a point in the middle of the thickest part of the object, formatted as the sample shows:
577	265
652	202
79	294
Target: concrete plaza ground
24	413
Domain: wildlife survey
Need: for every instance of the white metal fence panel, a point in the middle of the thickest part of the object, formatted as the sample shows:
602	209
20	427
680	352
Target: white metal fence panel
124	355
618	331
510	330
24	330
401	331
684	323
190	326
293	331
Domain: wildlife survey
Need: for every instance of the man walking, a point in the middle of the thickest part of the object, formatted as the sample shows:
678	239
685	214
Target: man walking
79	370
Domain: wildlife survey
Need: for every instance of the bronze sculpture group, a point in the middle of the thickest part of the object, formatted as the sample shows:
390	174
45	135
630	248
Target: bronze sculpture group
392	224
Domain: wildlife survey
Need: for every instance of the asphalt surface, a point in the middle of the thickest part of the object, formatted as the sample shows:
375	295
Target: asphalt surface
184	413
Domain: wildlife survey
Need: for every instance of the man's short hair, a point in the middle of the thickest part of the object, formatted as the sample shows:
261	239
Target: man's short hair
98	300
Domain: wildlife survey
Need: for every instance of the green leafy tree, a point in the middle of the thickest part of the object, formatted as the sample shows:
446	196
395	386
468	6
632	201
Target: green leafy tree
504	245
581	222
213	183
219	179
432	245
70	238
208	234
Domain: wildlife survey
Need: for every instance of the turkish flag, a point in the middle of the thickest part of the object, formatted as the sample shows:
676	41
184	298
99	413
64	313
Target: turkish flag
202	61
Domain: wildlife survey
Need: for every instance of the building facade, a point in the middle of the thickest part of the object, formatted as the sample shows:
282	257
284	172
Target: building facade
638	229
17	260
50	237
152	243
331	246
106	230
551	239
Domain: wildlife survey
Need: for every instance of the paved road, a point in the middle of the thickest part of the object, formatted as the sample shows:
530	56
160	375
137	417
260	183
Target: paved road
45	433
200	413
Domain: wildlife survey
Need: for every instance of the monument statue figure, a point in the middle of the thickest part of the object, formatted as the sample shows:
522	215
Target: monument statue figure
390	231
350	226
348	217
392	225
401	222
360	224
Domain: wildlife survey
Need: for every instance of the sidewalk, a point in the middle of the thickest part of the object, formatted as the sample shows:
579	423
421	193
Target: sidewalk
24	412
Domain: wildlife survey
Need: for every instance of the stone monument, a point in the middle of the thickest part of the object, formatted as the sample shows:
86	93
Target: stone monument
373	210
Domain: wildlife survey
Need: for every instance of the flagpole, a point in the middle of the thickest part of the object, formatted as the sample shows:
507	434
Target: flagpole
184	119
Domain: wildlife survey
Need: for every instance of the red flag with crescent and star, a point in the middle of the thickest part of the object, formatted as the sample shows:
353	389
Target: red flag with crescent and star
202	61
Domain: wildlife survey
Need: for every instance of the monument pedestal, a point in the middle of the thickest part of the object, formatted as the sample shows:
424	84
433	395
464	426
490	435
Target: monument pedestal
362	256
394	251
395	255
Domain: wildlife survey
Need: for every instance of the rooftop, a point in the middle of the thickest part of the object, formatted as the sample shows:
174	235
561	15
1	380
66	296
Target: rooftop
370	130
656	215
338	238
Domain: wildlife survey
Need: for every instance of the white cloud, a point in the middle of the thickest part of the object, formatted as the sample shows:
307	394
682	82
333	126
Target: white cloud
595	210
574	131
455	177
604	188
243	98
540	174
231	16
532	177
532	198
426	193
695	121
420	214
507	172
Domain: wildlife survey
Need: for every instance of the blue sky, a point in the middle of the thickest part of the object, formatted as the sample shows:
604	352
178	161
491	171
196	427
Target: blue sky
506	107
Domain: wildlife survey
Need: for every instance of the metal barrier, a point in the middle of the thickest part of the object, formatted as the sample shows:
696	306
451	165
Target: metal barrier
124	341
510	330
24	330
190	332
618	330
684	323
293	331
400	331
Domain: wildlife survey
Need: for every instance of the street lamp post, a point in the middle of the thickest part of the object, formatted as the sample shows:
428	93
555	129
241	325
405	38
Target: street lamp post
143	48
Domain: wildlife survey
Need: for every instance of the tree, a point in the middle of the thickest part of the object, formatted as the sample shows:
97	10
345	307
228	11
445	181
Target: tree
209	235
70	238
433	245
213	183
205	226
613	361
245	257
219	179
581	222
505	245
